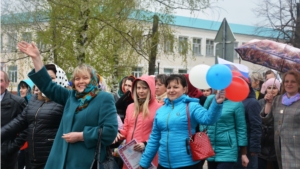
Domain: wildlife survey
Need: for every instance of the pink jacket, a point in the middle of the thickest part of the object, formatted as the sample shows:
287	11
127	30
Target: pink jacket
140	128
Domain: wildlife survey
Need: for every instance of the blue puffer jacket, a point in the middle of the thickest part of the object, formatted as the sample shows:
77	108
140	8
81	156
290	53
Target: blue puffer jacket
170	131
228	133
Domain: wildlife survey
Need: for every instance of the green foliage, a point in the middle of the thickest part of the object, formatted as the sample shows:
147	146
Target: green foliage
111	35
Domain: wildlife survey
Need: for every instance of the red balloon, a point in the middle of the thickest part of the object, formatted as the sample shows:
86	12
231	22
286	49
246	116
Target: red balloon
238	90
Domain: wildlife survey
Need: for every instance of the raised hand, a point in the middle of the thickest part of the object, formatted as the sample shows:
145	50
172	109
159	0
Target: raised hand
220	96
29	49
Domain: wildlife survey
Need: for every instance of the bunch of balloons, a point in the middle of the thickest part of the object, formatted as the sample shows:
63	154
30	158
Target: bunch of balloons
220	77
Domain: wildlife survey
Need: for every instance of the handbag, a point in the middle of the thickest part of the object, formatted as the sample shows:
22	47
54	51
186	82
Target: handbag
199	142
109	162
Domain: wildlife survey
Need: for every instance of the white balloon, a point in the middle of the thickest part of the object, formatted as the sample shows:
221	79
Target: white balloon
197	76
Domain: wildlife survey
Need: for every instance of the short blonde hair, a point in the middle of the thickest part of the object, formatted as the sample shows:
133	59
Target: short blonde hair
82	69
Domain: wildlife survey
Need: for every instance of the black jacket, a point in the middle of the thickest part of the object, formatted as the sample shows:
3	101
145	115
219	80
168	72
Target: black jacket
122	104
41	119
11	107
267	139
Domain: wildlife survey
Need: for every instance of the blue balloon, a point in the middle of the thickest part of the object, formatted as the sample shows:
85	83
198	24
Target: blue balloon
219	76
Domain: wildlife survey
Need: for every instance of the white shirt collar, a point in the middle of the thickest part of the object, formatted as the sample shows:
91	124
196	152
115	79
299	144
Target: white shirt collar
1	96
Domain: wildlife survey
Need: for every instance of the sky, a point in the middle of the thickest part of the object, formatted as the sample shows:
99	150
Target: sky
235	11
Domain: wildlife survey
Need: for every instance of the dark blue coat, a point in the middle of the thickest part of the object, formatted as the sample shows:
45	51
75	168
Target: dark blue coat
253	121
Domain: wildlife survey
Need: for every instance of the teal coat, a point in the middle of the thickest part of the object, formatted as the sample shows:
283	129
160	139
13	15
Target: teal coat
229	132
101	112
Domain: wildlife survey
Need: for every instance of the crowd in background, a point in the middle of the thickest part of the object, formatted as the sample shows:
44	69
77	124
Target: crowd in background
54	123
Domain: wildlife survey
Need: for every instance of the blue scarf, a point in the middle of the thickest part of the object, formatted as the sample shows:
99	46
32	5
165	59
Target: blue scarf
88	94
288	101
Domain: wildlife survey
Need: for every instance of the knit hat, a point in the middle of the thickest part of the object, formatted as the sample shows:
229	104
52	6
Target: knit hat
268	83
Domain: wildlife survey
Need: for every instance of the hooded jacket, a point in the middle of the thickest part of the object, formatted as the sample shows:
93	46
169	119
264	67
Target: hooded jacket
170	131
29	91
139	128
194	92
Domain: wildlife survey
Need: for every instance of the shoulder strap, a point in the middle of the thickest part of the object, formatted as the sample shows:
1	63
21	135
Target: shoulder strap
98	147
189	120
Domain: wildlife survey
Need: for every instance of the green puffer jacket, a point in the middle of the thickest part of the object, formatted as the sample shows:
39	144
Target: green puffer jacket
229	132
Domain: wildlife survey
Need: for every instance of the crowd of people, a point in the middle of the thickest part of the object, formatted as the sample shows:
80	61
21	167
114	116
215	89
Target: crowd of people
52	123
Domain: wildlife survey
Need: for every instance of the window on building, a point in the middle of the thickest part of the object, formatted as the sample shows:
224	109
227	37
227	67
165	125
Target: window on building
41	46
168	43
168	46
12	42
13	73
138	39
182	71
27	37
168	71
2	66
156	71
209	47
196	46
40	42
137	72
183	45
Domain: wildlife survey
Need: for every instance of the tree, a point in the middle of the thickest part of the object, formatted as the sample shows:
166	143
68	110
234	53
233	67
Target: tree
281	16
96	32
161	12
77	33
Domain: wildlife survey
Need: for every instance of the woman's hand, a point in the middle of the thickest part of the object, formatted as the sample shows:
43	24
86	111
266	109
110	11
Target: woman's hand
269	98
73	137
119	137
139	147
220	96
245	160
29	48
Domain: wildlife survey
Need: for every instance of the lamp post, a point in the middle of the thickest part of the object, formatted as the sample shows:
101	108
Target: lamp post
158	62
